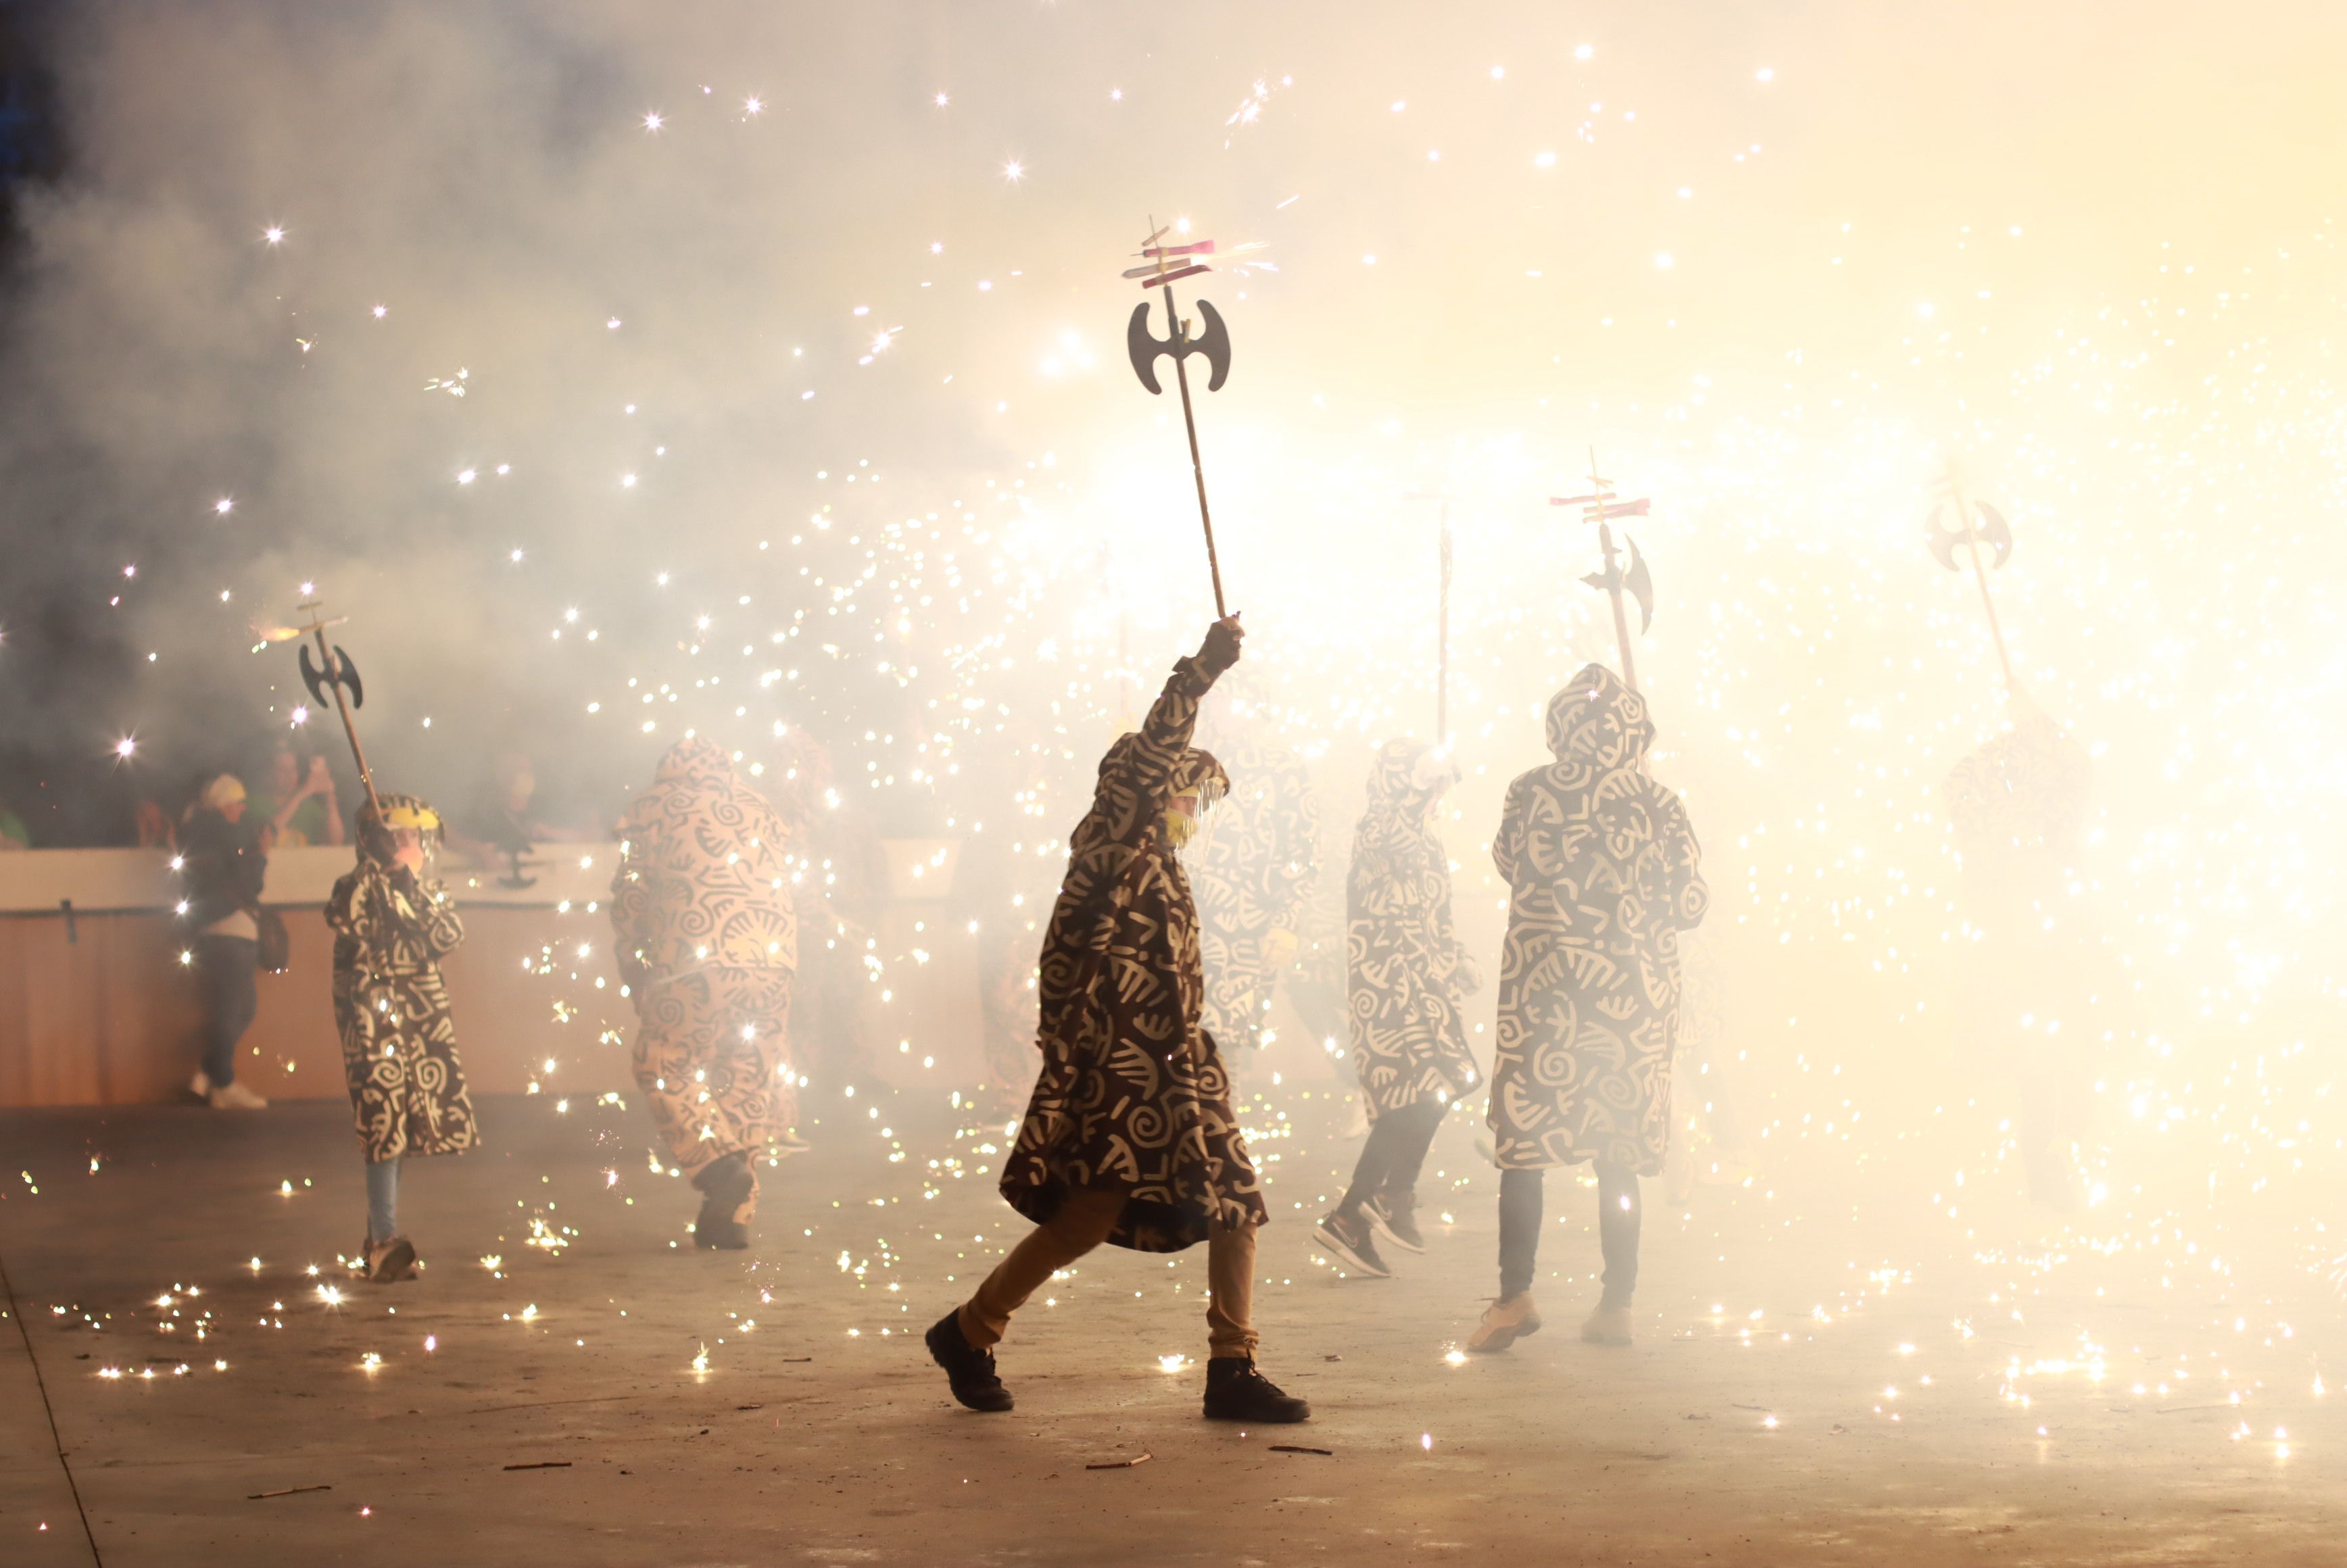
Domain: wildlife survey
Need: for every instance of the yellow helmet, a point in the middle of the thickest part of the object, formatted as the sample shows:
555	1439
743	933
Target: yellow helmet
419	816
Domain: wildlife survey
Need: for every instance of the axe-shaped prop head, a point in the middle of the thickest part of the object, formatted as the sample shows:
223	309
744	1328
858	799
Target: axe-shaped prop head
1636	582
344	674
1215	342
1948	526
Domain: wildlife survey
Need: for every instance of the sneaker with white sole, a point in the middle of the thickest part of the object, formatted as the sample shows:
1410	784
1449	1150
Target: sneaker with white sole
1347	1236
236	1097
1395	1218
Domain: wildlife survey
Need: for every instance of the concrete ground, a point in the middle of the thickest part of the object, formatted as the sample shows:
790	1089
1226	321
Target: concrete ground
568	1384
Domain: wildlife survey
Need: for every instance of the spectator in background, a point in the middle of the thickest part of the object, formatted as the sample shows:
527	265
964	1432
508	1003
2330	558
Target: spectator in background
14	835
153	824
299	808
511	822
223	866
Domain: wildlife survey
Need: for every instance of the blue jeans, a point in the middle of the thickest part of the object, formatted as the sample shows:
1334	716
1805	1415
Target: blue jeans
382	1199
226	966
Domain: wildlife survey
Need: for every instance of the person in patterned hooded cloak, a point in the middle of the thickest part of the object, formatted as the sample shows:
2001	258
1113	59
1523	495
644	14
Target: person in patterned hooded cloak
707	941
1407	976
1129	1135
1255	869
2037	983
1602	869
393	924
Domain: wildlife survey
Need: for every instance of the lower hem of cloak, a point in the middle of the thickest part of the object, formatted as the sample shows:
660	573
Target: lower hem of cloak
1146	1224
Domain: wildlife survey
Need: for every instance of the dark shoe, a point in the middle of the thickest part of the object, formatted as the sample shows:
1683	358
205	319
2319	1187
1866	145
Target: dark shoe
727	1185
969	1372
1236	1391
1394	1215
1347	1236
389	1262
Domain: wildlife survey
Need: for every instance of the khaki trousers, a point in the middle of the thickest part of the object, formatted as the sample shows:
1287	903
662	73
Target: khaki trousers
1084	1221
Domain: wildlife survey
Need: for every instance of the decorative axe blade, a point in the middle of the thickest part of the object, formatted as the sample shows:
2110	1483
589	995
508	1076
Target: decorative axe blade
1216	346
1993	532
1947	528
347	674
343	674
1640	584
313	677
1603	581
1142	347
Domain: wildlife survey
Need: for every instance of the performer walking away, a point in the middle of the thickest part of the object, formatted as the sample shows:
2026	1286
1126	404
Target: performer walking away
1602	872
393	924
225	865
707	942
1408	975
1129	1137
2033	982
1254	871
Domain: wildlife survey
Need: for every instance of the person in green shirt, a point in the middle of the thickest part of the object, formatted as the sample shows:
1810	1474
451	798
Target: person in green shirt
14	835
299	806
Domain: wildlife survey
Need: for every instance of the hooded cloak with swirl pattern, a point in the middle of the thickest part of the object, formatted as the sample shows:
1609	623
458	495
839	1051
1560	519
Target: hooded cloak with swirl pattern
1602	867
1131	1094
1254	869
707	936
1406	969
392	928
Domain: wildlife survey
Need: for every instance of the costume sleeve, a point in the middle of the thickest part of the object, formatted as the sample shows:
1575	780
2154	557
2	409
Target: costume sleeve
630	896
1690	894
1132	796
437	925
343	906
1508	844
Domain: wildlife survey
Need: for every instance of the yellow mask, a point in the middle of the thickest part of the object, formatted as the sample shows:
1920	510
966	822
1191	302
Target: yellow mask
1182	819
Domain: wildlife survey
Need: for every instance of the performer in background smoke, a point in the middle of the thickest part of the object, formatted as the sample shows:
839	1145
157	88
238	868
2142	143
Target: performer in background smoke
1253	871
393	924
2033	981
1602	872
1129	1137
703	919
1408	974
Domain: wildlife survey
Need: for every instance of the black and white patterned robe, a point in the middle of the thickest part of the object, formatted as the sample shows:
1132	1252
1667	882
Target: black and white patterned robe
1132	1092
1601	868
1406	971
1254	867
391	930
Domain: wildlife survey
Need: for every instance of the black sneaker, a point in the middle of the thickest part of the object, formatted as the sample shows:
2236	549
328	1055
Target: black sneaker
725	1185
969	1372
1236	1391
1394	1215
1347	1235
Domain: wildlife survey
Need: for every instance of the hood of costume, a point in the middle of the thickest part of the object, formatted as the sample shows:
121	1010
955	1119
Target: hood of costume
705	872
